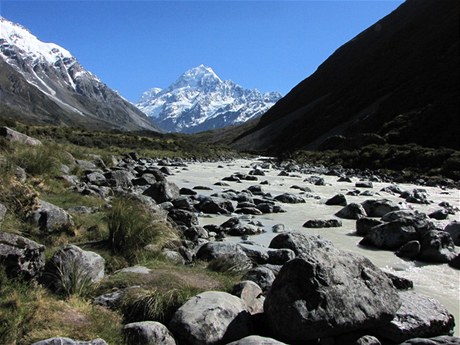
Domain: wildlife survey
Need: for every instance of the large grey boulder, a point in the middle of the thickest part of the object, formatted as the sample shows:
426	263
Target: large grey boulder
215	206
256	340
183	217
436	246
418	316
120	178
212	317
15	136
71	266
289	198
327	293
365	224
51	218
352	211
147	333
262	255
391	235
453	228
68	341
224	250
337	200
299	243
379	208
162	191
440	340
322	223
21	256
263	275
251	294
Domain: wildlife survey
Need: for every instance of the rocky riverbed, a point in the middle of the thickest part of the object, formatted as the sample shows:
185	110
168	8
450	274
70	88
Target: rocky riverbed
331	255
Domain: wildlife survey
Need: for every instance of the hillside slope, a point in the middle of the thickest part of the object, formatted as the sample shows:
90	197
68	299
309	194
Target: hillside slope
398	79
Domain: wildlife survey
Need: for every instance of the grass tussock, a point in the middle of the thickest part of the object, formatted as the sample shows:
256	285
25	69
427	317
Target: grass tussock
132	226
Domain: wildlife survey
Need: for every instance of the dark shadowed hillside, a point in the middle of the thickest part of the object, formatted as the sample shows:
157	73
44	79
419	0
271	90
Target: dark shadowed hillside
398	79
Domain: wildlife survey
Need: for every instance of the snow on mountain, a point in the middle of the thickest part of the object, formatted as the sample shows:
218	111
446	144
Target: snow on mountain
68	93
199	100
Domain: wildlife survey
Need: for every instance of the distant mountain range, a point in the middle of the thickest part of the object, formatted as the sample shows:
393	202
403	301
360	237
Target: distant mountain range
199	100
43	83
398	80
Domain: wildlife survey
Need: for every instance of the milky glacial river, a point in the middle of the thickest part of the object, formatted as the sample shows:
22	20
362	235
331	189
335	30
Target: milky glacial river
436	280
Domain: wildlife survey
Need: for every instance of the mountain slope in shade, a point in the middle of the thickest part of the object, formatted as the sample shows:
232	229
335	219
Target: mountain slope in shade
43	83
199	100
398	79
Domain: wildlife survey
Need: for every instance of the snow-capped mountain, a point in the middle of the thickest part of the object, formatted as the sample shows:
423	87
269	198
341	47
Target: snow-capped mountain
43	83
199	100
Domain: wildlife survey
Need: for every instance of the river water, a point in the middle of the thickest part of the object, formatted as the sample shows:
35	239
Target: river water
435	280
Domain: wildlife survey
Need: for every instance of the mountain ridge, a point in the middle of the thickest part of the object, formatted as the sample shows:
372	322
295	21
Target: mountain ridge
200	100
68	95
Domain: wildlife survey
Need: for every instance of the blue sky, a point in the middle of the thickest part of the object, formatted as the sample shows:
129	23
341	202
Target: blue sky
135	45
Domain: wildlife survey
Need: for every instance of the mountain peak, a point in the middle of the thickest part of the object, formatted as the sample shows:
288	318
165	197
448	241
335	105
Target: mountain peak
197	77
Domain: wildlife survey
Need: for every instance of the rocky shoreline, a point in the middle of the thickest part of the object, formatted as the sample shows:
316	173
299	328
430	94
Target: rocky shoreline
300	289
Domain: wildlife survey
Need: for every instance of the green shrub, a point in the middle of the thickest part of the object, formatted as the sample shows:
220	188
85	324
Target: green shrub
132	226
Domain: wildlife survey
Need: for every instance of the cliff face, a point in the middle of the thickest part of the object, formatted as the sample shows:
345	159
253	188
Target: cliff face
398	79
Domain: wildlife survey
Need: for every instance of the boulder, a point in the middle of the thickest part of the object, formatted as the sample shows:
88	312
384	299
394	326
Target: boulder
410	250
249	210
162	191
187	191
316	180
244	229
400	283
439	214
436	246
440	340
68	341
256	340
315	296
321	223
262	255
337	200
352	211
211	317
97	178
215	206
418	316
400	214
300	244
289	198
20	256
51	218
73	266
364	225
455	262
364	184
391	235
12	135
184	203
379	208
218	250
147	333
183	217
368	340
120	178
251	294
263	276
453	229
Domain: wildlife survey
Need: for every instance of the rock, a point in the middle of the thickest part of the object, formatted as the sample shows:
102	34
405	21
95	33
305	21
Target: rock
162	191
195	232
300	244
418	316
436	246
344	179
244	229
184	203
455	262
256	340
391	235
320	223
256	190
202	188
215	206
352	211
393	189
120	178
400	283
147	333
71	266
257	172
277	228
2	212
453	229
379	208
249	210
441	340
337	200
144	180
316	180
20	256
439	214
183	217
51	218
364	225
173	256
165	170
263	276
68	341
211	317
289	198
96	178
400	214
12	135
410	250
262	255
218	250
416	196
364	184
315	296
187	191
251	294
